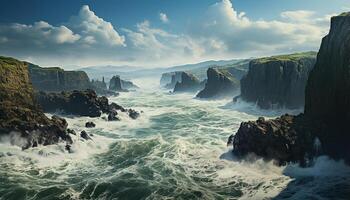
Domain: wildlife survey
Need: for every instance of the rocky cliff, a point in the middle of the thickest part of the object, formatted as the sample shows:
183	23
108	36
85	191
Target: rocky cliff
189	83
56	79
128	85
170	79
327	109
278	81
116	84
18	111
220	83
328	87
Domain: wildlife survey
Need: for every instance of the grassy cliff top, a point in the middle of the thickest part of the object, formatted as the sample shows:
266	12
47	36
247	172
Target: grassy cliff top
289	57
344	14
9	61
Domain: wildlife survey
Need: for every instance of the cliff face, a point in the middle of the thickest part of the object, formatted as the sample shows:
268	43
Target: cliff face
128	85
18	111
56	79
278	81
189	83
220	83
327	109
328	88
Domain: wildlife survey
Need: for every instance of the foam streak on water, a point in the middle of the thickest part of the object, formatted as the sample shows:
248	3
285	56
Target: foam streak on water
176	150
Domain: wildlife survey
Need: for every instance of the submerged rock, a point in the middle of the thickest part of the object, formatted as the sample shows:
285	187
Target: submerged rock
278	81
133	114
84	135
220	83
113	116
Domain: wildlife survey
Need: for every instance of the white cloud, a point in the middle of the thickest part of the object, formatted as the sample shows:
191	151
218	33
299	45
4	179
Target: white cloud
242	36
93	28
163	17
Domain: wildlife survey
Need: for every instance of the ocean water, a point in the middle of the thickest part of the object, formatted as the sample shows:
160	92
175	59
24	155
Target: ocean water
175	150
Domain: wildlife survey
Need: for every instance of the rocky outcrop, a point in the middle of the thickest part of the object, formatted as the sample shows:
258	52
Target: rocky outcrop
278	81
220	83
189	83
174	78
328	88
119	85
128	85
55	79
18	112
81	103
116	84
327	110
285	139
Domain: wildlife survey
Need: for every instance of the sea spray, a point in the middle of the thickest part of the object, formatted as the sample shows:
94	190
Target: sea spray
177	150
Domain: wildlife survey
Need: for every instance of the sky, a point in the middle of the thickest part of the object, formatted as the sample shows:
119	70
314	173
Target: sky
160	33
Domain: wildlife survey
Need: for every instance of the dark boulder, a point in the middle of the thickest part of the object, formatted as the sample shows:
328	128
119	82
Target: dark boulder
133	114
84	135
113	116
90	125
220	83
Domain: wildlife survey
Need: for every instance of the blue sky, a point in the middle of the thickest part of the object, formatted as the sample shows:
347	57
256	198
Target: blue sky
160	32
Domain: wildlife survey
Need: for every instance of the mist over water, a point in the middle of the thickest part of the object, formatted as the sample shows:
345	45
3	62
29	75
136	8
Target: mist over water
176	149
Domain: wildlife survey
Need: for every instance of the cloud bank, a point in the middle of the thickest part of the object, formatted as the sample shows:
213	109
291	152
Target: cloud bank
223	33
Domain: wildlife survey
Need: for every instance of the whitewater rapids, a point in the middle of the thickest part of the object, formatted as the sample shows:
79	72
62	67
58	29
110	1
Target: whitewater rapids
175	150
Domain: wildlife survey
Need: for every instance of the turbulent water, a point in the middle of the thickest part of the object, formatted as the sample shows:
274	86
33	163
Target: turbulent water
176	150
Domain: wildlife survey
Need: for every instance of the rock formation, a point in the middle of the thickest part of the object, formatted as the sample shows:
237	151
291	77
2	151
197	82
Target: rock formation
327	109
55	79
328	88
171	82
18	111
189	83
278	81
81	103
220	83
119	85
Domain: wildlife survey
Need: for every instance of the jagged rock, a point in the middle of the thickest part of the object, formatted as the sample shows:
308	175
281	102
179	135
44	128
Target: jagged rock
18	111
90	125
83	103
55	79
278	81
220	83
113	116
84	135
114	106
133	114
285	139
189	83
70	131
116	84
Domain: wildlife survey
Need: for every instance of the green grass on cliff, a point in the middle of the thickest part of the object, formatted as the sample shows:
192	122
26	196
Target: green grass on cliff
344	14
289	57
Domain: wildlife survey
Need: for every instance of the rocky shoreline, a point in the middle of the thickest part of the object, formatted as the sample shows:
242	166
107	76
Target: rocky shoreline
327	110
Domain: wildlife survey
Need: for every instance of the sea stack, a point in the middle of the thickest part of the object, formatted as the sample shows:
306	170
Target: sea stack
220	83
189	83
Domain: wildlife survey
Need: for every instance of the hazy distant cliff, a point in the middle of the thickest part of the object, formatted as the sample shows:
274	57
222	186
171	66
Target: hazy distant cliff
278	81
57	79
189	83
